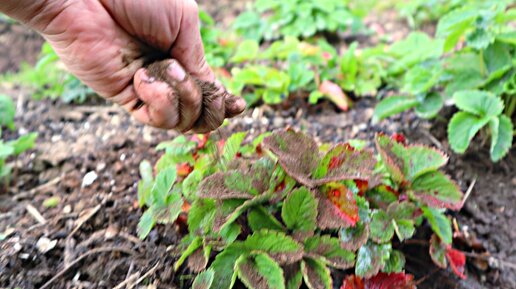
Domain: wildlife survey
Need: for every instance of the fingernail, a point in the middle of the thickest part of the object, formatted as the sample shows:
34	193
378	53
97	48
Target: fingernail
176	71
146	78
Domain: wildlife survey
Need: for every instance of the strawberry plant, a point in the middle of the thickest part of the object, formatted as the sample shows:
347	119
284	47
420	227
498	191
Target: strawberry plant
270	19
281	210
49	79
15	147
478	76
288	67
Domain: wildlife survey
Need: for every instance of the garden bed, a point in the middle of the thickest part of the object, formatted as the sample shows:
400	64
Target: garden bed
89	239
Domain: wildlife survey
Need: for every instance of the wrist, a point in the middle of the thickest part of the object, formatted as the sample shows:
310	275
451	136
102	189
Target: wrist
36	14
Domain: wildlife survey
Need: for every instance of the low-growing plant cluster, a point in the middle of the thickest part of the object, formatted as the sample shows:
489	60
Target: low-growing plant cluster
280	210
471	63
48	78
270	19
11	148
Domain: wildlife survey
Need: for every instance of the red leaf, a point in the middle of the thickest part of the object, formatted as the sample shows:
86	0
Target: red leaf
380	281
457	261
345	204
335	94
362	187
391	281
201	140
184	169
353	282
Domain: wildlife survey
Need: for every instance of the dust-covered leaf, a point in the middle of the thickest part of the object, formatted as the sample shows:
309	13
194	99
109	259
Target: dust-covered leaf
279	246
329	250
297	153
371	259
204	280
316	274
299	211
392	154
259	271
230	185
337	207
343	162
354	237
299	156
437	190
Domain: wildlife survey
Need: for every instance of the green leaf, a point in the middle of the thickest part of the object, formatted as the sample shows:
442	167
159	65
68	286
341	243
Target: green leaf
5	151
179	150
232	146
7	111
393	105
454	24
299	211
246	51
440	224
396	262
438	252
371	259
259	271
204	280
497	56
393	157
243	208
381	227
223	266
329	250
420	79
259	218
194	245
146	223
230	232
438	191
24	143
430	106
294	277
421	160
462	129
481	103
201	216
316	274
279	246
190	184
164	182
501	137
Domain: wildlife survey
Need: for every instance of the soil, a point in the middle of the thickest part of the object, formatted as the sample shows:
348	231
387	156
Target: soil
88	157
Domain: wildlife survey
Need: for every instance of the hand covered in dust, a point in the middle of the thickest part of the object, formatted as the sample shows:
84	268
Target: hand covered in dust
107	44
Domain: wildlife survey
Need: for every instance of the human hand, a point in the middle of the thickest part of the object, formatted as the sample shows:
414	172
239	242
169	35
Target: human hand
107	43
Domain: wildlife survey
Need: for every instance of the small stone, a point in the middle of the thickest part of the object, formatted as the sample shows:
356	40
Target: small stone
44	245
67	209
89	179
